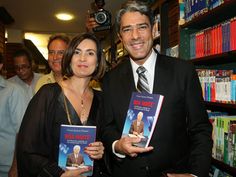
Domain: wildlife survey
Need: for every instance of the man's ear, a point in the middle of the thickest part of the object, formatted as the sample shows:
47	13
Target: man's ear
119	36
154	30
1	65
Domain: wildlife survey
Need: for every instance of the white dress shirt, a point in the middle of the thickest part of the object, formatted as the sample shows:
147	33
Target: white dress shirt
150	69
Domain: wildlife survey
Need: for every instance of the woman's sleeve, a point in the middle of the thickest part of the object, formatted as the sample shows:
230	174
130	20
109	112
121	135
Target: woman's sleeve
34	140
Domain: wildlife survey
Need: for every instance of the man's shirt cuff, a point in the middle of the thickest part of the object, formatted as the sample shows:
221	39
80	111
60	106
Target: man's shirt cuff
114	152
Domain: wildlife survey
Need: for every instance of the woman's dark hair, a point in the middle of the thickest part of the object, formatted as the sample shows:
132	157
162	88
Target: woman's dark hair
66	61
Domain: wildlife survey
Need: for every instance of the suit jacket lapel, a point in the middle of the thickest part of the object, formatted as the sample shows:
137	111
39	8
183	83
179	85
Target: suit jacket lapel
127	80
160	78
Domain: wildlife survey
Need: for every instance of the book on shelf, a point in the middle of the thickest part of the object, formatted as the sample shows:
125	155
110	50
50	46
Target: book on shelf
224	136
142	116
73	140
194	8
181	12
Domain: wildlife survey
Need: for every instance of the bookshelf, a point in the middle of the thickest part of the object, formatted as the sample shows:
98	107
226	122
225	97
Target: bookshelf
224	167
213	16
156	6
169	32
223	107
209	19
222	58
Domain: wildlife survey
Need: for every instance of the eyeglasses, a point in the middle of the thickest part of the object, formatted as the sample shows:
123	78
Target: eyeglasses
21	67
56	52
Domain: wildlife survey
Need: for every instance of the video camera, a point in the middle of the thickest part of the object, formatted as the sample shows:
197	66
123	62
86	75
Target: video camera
102	17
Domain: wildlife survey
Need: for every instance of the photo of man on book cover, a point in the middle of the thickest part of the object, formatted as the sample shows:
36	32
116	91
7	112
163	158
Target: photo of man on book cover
75	159
137	125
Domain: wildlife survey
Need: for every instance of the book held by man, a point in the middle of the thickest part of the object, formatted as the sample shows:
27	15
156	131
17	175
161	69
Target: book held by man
73	140
142	116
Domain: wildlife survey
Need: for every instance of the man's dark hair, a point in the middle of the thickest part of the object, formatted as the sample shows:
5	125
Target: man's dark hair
23	53
62	37
134	6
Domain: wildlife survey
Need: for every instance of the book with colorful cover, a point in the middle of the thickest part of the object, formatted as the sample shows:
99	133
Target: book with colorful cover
73	140
142	116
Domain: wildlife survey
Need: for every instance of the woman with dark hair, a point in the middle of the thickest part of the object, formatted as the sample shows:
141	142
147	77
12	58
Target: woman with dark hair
71	101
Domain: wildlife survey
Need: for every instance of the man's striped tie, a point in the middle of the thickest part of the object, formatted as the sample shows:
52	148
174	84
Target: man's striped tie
142	85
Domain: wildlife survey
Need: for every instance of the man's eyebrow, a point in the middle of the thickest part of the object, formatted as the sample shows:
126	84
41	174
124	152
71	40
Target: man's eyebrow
135	25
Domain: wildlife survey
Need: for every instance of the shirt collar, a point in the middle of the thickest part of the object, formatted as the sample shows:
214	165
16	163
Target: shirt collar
51	78
2	82
149	63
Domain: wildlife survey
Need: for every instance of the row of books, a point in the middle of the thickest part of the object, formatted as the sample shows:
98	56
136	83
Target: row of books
197	7
214	40
218	85
224	136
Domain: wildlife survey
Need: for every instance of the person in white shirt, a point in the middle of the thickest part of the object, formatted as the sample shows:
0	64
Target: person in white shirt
25	76
13	104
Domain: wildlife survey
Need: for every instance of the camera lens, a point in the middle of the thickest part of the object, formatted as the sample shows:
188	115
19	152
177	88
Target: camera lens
101	17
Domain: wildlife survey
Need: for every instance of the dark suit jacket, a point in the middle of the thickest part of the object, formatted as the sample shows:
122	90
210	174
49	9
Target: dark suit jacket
182	137
135	128
72	160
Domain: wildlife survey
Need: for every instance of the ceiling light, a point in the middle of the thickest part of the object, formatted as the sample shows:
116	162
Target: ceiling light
64	16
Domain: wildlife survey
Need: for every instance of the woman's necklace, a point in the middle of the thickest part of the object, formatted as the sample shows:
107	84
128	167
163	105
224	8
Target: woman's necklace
83	114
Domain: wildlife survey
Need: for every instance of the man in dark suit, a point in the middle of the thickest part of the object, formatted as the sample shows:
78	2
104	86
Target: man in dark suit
181	143
75	159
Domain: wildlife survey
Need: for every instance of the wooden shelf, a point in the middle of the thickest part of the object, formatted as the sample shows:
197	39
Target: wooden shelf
227	57
224	167
222	107
212	17
225	105
157	4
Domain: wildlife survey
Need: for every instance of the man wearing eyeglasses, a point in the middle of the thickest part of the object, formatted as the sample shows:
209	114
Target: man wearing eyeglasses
25	76
56	46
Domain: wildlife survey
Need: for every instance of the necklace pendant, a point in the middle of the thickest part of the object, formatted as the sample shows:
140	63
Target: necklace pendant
82	103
